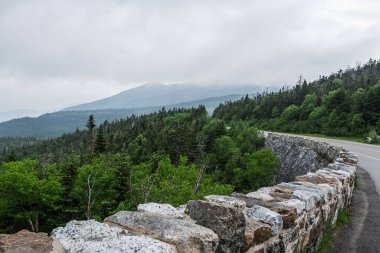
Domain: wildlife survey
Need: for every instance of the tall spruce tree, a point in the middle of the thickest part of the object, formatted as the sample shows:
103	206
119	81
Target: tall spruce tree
100	141
91	126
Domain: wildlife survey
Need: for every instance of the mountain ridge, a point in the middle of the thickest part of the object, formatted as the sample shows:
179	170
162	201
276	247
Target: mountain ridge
57	123
158	94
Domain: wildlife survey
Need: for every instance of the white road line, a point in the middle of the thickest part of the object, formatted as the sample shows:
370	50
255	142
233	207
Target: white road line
366	156
372	150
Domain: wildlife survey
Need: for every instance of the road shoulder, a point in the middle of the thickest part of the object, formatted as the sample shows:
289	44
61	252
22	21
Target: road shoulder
361	235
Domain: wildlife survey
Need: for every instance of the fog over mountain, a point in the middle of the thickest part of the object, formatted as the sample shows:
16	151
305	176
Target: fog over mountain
57	123
66	52
157	94
4	116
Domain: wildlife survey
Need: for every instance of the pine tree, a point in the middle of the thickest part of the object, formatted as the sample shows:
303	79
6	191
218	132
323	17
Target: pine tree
100	141
91	126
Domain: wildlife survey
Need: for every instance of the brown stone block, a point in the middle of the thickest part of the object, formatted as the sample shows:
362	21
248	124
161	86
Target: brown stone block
28	242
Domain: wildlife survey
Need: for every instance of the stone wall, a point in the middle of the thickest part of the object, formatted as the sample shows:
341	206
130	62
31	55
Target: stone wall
287	217
299	156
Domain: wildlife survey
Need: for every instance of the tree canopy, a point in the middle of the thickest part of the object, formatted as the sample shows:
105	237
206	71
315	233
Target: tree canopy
346	103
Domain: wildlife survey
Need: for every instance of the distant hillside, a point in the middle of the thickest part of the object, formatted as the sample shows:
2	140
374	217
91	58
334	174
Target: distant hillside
5	116
55	124
151	95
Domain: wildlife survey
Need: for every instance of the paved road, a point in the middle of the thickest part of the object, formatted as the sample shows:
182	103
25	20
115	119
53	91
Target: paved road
362	235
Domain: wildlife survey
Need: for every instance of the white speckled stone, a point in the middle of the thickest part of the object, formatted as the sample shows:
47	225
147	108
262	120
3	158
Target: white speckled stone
260	196
182	210
343	176
325	189
327	174
227	200
185	235
163	209
265	190
95	237
311	199
267	216
296	203
342	166
319	195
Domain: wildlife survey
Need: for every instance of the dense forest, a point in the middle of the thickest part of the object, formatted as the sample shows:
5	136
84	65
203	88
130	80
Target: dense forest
170	156
346	103
51	125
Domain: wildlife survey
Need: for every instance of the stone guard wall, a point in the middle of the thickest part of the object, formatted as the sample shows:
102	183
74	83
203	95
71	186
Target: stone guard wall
287	217
299	156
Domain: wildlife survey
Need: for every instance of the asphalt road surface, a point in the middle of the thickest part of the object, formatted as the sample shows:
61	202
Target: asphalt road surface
362	235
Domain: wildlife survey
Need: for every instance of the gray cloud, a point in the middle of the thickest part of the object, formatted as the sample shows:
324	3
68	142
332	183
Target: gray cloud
56	53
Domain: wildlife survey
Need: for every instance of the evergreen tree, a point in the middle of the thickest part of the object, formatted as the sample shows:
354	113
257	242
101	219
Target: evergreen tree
91	126
100	141
346	103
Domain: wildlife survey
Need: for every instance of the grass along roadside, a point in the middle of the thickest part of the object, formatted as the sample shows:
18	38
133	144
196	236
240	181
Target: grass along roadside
328	236
356	182
354	139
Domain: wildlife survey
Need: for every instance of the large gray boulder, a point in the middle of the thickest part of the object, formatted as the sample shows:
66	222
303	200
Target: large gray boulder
185	235
95	237
228	222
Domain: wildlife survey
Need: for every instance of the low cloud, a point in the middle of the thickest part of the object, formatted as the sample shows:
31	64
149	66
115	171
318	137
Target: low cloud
57	53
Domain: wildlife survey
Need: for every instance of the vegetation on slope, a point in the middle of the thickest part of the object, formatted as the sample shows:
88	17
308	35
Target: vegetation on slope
346	103
169	157
54	124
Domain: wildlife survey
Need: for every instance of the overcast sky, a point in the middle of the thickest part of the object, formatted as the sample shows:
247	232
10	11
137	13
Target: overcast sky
57	53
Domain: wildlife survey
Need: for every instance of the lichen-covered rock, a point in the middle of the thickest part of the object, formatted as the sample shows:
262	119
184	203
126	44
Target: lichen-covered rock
311	199
95	237
267	216
163	209
327	190
275	246
255	232
281	193
265	190
226	200
185	235
226	221
344	176
260	196
315	229
296	203
260	248
288	214
348	157
29	242
324	193
290	238
342	166
315	179
182	210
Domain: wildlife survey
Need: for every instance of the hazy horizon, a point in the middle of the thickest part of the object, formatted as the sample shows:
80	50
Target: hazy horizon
61	53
